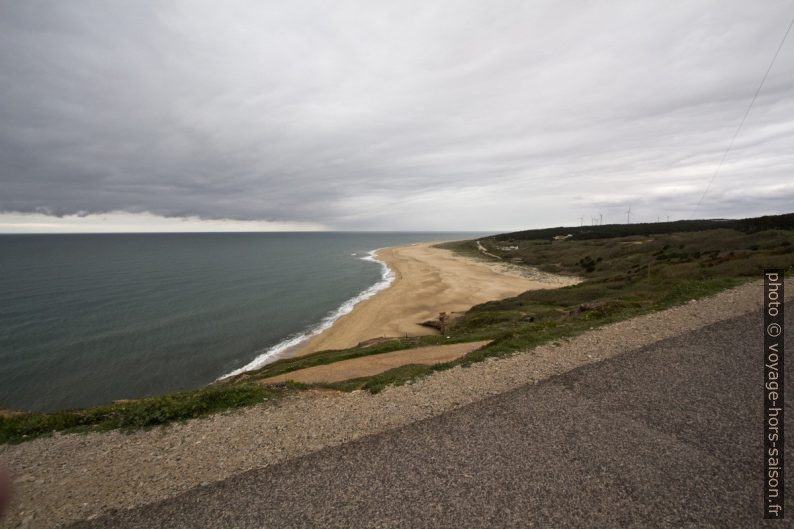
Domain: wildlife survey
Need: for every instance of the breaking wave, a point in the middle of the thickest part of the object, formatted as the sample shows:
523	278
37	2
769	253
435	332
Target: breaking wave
274	353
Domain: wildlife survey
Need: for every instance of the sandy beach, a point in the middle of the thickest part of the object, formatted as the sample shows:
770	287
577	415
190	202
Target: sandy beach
427	281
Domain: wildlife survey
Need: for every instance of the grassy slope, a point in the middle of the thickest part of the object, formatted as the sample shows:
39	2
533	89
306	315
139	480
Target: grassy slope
137	413
624	277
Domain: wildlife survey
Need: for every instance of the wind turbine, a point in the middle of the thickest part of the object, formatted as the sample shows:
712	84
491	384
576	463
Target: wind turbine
600	219
628	215
581	221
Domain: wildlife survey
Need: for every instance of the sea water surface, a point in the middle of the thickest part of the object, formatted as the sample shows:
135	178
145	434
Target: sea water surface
86	319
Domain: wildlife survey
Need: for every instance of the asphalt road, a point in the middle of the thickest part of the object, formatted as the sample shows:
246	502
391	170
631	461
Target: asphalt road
665	436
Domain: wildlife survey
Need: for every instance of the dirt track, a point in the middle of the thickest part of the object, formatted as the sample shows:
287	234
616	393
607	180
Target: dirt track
372	365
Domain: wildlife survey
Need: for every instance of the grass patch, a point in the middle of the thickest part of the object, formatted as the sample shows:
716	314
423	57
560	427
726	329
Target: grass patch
134	414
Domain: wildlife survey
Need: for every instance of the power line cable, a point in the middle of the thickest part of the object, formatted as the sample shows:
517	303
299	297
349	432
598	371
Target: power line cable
744	118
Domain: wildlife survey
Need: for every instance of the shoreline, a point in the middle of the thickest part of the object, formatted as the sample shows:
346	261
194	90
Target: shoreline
288	345
426	281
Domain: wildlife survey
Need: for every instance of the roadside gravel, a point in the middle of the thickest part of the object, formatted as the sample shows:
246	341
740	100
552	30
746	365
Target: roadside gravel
70	477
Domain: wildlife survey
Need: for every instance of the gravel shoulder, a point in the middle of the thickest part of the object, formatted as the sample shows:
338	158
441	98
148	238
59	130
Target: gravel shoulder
70	477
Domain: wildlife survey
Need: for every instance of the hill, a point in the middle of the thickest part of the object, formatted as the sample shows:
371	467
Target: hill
748	225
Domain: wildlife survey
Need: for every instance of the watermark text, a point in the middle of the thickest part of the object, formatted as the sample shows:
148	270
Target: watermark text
774	483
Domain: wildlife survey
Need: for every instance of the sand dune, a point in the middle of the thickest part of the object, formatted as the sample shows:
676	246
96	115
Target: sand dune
427	281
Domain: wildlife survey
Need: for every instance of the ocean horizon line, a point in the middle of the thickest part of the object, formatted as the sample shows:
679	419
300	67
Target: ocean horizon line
245	232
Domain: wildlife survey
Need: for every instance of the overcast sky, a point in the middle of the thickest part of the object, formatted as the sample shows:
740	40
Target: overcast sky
398	115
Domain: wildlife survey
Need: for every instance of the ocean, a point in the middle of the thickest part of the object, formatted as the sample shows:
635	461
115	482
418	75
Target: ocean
87	319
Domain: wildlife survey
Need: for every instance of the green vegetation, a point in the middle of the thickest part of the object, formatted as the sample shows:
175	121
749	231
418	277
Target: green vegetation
623	277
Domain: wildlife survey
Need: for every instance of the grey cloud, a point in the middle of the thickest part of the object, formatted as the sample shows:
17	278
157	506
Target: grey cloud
415	115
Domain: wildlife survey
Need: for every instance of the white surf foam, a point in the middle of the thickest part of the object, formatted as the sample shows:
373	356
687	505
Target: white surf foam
274	353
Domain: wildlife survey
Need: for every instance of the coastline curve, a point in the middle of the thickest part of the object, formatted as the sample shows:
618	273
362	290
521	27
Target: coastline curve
266	356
